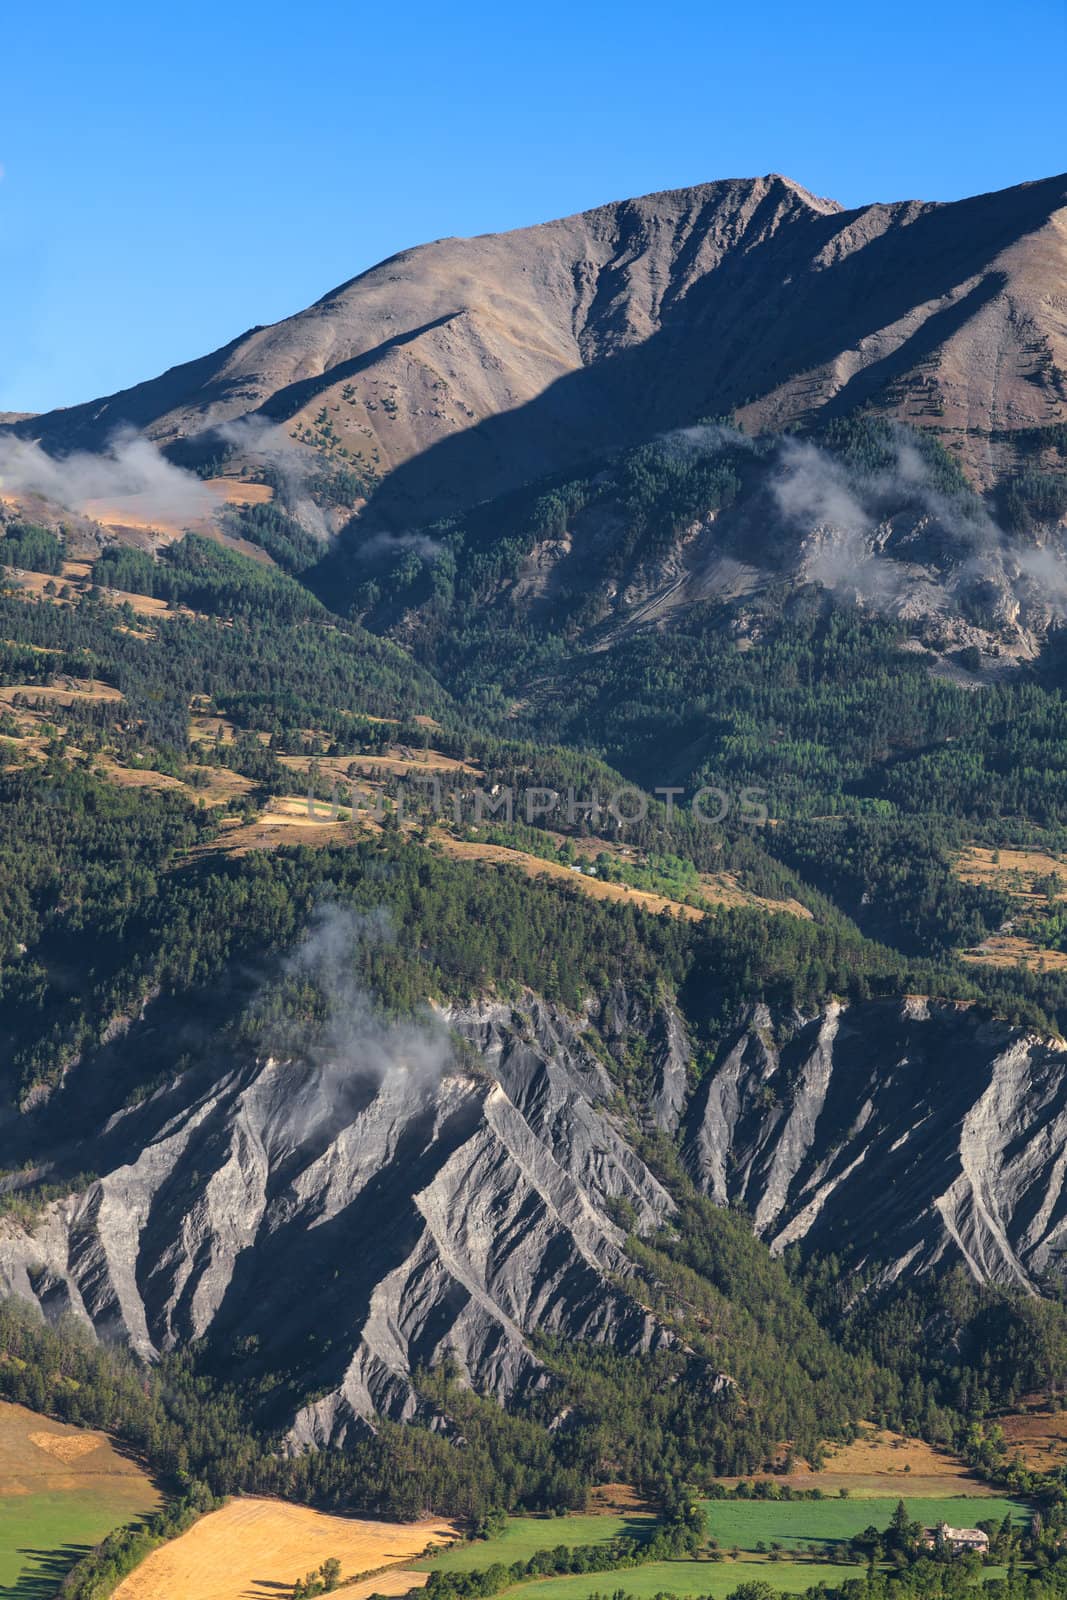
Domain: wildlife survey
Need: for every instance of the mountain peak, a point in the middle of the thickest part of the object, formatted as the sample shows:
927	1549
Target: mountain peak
470	365
820	203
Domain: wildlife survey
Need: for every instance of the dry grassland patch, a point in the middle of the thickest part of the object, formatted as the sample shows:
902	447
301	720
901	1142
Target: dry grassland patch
1010	950
1039	1434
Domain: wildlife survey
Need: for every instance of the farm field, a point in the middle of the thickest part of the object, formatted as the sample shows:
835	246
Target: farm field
525	1535
256	1549
62	1489
714	1578
805	1524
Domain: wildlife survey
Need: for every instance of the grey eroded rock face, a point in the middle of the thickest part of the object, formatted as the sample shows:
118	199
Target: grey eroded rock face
353	1231
904	1134
348	1230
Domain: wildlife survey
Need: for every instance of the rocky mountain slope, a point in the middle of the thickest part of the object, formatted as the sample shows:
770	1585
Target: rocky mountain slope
905	1135
348	1229
356	1229
461	368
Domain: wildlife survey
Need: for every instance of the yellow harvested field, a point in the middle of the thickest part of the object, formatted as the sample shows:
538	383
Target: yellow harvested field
256	1550
208	725
284	814
719	888
136	777
238	838
63	1446
77	575
62	1490
223	787
1015	873
144	605
617	1500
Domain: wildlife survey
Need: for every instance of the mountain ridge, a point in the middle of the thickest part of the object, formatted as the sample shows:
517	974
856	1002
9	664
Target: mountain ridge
492	359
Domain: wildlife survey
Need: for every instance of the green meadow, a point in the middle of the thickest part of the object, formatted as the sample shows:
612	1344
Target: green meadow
44	1533
523	1536
801	1524
714	1578
802	1528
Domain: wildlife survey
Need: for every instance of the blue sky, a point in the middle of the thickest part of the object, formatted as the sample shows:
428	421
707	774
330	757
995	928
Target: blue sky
174	174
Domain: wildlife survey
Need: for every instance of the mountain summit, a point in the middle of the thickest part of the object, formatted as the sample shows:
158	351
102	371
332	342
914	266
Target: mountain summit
461	368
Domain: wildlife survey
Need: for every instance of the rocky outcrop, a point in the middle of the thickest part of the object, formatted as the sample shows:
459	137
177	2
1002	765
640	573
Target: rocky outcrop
350	1230
901	1135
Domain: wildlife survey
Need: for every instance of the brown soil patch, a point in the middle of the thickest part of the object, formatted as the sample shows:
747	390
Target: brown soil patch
256	1550
617	1500
1039	1435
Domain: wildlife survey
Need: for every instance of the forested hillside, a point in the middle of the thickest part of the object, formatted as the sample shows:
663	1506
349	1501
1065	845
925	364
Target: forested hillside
559	978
